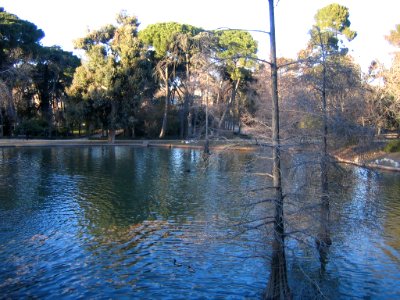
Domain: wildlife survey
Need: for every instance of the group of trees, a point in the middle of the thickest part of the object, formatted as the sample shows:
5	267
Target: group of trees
385	103
149	83
33	78
156	82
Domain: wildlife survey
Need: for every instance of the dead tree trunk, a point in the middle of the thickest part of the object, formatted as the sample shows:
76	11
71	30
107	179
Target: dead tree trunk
165	115
278	287
324	240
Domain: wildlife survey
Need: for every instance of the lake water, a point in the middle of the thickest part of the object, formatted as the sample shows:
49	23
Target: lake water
124	222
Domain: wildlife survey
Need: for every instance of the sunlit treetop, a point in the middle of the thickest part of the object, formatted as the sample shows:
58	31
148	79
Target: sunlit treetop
331	23
394	37
95	37
114	63
335	18
236	48
162	36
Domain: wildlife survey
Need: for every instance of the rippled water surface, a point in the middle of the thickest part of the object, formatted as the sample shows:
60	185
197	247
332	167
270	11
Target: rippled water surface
124	222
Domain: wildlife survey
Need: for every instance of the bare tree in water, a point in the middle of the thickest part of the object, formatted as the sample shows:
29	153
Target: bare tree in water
278	287
331	22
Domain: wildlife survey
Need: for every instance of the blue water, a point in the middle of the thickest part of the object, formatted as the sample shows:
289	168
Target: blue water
124	222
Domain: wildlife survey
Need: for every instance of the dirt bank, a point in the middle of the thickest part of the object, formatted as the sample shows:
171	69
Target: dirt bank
372	157
238	145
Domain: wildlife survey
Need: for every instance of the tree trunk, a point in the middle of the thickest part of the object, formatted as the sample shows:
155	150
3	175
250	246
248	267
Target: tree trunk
230	103
238	116
181	123
323	239
278	287
207	143
195	118
219	93
190	122
133	132
1	124
186	102
89	128
165	116
111	132
111	136
45	106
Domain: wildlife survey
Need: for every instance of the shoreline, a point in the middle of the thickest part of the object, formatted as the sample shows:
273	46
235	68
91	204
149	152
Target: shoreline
224	145
366	164
368	159
198	144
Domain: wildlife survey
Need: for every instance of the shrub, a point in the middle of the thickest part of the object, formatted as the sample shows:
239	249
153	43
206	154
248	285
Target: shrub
32	128
392	146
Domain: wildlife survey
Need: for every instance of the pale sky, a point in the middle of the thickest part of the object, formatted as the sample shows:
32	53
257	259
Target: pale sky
64	21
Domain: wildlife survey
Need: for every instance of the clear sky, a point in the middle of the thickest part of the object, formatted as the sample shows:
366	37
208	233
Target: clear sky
63	21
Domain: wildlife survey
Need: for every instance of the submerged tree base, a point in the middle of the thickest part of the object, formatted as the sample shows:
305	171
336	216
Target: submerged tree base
278	287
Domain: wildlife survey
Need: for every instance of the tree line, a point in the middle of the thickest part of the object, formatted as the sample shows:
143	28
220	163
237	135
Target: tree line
156	82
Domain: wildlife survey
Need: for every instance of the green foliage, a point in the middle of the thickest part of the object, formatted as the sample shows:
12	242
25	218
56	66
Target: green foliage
331	22
162	36
35	75
116	73
236	49
116	78
237	43
96	37
310	122
18	38
32	128
52	74
392	146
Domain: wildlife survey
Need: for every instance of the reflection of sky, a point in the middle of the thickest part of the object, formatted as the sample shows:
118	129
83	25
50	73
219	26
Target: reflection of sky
360	253
363	200
363	261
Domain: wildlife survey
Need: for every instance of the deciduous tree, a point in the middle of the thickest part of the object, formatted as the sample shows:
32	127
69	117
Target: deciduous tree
325	49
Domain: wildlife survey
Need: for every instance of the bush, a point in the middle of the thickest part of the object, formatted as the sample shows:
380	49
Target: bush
392	146
32	128
62	131
310	122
